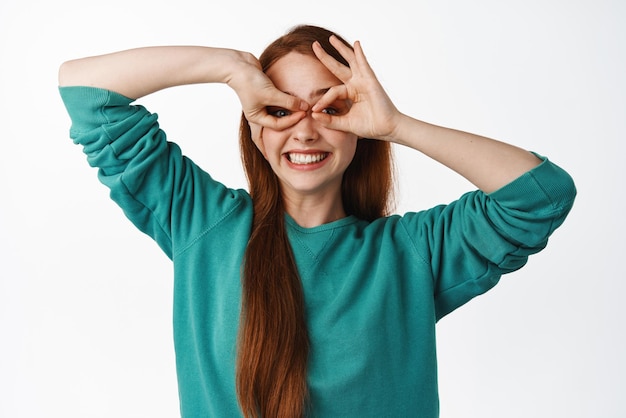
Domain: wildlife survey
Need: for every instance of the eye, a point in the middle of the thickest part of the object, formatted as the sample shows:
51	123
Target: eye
337	108
278	112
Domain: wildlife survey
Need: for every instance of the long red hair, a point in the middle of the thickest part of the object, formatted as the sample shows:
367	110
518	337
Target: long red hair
273	344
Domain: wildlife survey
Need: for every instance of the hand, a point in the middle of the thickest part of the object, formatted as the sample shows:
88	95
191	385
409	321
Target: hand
256	93
372	114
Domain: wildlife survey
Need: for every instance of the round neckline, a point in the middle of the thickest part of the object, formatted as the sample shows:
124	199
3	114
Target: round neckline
323	227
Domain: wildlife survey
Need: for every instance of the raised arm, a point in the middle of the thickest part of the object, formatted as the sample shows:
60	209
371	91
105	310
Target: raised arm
138	72
487	163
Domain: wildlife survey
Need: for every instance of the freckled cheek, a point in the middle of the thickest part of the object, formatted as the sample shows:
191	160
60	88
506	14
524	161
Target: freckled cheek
273	142
336	137
347	144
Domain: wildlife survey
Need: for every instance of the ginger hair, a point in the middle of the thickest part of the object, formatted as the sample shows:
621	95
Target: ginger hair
273	343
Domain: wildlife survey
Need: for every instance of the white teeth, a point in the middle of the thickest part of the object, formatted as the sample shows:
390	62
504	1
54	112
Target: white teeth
298	158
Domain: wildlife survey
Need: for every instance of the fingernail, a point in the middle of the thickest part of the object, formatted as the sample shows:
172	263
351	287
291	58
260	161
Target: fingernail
304	106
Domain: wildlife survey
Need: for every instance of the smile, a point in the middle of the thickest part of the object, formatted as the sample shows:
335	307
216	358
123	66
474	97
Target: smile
299	158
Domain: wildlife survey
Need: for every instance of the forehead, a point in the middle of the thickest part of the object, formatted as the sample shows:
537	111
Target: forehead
301	75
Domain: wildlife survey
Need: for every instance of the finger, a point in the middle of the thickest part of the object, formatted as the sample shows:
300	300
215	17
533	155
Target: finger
286	101
338	123
362	63
339	70
355	57
332	95
346	52
279	124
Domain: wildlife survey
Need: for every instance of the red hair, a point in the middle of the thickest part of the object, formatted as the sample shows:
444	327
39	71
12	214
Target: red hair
273	344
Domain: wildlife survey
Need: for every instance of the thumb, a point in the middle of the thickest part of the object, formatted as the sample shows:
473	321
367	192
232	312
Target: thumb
338	123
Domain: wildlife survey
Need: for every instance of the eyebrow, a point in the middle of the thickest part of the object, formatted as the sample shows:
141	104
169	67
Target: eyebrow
316	93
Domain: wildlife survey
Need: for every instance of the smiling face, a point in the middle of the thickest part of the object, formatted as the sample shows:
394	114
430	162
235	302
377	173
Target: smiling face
308	158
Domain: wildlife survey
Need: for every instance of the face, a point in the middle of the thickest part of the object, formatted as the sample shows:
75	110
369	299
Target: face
308	158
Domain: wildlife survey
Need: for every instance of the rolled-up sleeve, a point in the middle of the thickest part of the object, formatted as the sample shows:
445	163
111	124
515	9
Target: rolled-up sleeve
162	192
471	242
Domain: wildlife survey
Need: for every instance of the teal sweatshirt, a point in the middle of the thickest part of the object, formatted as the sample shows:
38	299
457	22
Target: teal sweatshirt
373	290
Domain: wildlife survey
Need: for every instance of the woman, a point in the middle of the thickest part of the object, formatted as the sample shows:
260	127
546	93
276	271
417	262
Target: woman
303	297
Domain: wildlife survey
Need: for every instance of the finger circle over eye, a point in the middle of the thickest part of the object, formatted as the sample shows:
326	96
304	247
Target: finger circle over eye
335	93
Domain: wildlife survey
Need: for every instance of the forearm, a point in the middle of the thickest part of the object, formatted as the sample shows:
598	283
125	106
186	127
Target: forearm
138	72
487	163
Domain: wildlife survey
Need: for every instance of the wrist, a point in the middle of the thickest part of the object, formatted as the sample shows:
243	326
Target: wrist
400	124
239	67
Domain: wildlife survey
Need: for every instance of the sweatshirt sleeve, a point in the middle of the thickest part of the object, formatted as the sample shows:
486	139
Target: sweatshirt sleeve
162	192
471	242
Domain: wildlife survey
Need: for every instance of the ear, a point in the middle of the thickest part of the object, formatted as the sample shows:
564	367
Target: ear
256	132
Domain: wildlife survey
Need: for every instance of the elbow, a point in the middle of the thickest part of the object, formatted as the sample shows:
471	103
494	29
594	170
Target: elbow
63	75
567	191
68	73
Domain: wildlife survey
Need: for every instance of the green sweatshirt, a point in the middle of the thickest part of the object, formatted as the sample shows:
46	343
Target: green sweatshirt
373	291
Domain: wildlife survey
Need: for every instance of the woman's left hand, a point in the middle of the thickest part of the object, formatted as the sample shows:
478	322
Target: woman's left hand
487	163
372	113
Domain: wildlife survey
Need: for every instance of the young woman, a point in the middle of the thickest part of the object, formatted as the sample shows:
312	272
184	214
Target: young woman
304	296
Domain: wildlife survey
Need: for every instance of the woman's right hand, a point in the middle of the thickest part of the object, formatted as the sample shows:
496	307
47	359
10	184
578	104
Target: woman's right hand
141	71
256	93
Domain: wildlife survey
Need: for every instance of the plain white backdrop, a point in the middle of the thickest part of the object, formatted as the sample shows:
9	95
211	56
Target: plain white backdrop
85	299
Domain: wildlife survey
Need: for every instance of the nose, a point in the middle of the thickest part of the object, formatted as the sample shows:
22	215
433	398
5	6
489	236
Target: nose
306	130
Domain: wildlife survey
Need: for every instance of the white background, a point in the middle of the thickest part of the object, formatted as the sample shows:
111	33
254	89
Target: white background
85	299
